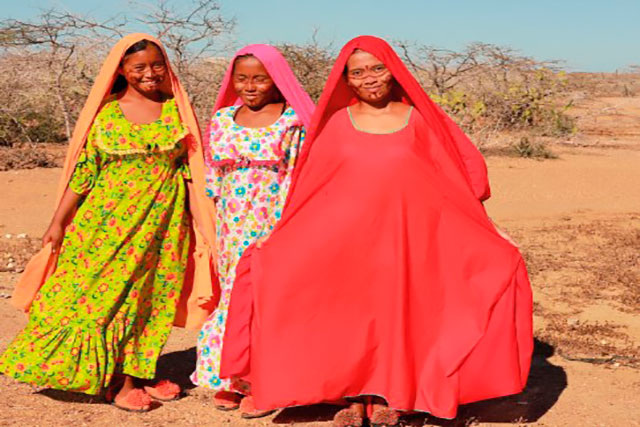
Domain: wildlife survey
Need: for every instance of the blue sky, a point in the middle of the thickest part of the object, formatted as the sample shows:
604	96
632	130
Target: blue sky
588	35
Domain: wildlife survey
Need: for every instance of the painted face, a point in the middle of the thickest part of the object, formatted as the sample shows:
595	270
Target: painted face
368	77
145	70
253	84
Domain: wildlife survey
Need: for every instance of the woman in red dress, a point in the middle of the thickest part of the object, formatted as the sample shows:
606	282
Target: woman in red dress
397	284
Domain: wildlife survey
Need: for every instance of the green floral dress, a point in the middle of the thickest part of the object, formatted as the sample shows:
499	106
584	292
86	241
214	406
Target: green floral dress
109	306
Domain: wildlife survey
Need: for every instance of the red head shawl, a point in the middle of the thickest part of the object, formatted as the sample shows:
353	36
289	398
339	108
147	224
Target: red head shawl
337	95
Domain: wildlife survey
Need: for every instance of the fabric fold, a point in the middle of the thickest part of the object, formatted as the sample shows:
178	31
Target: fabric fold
396	283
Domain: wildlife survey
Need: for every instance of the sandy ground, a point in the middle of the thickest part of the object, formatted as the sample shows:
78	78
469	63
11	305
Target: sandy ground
577	219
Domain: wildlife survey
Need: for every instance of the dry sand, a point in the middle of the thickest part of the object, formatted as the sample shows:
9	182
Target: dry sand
577	219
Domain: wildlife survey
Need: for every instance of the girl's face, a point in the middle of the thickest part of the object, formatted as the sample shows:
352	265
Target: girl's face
369	78
145	70
253	84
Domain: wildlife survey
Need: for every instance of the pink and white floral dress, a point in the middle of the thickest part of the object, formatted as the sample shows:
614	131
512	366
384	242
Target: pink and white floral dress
248	175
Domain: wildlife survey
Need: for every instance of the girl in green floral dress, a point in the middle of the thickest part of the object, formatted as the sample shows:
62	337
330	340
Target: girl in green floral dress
108	309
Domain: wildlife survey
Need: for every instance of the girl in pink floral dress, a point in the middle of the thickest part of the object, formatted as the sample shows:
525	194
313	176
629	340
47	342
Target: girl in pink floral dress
254	136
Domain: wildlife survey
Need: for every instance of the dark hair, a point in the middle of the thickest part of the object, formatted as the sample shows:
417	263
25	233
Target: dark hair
239	57
139	46
120	83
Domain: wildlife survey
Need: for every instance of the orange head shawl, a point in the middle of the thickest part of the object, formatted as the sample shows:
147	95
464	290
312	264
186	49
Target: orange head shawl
198	294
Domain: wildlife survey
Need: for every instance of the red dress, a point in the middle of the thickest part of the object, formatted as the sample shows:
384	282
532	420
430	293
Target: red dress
395	283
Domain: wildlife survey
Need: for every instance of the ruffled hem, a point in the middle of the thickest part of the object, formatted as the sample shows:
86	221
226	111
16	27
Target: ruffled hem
74	357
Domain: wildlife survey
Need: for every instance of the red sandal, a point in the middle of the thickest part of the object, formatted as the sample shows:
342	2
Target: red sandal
137	400
164	391
227	400
248	409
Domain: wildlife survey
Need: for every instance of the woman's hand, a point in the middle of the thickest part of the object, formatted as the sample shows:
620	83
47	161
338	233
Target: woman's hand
261	240
63	215
53	235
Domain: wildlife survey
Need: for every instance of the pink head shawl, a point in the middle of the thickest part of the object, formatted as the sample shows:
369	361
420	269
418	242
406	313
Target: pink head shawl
283	77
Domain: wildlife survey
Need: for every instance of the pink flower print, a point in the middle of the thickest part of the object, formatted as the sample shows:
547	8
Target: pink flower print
261	213
168	119
255	176
233	205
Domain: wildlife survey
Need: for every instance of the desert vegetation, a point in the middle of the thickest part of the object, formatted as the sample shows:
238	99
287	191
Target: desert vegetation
47	66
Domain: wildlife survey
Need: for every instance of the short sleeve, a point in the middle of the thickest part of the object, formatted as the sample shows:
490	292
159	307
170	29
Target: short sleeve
87	167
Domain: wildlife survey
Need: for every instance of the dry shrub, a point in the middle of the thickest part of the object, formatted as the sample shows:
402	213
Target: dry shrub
490	88
47	66
29	156
311	62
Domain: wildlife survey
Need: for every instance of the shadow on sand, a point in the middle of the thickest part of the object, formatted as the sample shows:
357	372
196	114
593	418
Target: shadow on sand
546	383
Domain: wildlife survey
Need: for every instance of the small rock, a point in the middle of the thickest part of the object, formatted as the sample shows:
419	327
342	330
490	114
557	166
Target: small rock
21	236
7	236
572	321
4	295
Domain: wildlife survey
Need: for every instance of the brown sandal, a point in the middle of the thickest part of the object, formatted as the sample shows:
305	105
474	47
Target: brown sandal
383	417
347	417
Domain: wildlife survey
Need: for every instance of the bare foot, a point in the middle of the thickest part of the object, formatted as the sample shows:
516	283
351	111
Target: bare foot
132	399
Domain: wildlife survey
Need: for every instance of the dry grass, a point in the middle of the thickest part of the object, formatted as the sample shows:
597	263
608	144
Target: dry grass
29	156
590	264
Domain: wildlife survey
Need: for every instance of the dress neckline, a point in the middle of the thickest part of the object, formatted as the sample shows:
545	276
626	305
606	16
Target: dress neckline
234	109
356	127
158	120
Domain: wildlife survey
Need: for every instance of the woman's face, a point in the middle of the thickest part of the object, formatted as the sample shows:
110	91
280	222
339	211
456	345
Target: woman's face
369	78
145	70
253	84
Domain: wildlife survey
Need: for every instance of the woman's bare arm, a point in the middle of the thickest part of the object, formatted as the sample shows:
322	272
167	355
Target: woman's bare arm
65	211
